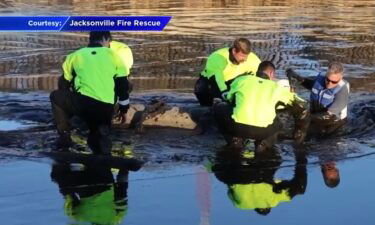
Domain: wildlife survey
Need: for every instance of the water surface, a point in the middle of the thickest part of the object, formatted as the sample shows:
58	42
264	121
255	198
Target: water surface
191	195
178	184
304	35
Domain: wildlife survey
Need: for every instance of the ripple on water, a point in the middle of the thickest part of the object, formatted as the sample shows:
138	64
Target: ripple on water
304	35
10	125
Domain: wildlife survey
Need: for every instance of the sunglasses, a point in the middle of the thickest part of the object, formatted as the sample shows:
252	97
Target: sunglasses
331	81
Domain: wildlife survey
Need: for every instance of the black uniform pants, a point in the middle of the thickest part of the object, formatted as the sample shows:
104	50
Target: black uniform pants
97	115
265	137
206	90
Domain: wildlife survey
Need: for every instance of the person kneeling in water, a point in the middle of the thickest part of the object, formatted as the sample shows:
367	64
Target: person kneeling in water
250	111
329	98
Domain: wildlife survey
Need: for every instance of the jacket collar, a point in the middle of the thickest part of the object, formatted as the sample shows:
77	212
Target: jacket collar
94	45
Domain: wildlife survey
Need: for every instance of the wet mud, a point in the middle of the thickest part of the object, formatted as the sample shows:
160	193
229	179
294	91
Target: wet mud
177	132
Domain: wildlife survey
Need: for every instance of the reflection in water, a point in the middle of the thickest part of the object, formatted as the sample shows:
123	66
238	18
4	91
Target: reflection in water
329	152
331	174
251	183
91	193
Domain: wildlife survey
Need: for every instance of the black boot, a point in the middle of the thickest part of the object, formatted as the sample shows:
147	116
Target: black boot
64	141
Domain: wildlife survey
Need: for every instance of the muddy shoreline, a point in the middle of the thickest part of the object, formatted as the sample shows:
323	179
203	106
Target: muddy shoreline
157	145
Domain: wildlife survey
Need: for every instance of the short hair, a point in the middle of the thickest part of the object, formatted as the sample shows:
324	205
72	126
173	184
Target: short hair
334	68
97	36
263	66
242	45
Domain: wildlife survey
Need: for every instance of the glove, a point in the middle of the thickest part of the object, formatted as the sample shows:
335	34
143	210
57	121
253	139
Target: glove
121	114
323	118
291	74
123	108
217	101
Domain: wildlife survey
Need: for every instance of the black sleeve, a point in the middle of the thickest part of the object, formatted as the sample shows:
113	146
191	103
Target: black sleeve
122	88
121	186
297	185
308	83
63	84
299	181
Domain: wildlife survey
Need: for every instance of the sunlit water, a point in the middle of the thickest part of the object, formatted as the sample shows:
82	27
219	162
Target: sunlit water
303	35
176	185
8	125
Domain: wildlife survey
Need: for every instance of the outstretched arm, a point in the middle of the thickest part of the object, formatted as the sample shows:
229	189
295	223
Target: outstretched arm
308	83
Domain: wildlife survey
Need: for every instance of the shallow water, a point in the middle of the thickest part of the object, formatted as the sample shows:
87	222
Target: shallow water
191	195
174	186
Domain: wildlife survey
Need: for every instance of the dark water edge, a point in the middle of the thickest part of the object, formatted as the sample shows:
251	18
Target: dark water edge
188	194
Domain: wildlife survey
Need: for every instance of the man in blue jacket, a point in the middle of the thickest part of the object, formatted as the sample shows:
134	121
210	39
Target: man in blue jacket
329	98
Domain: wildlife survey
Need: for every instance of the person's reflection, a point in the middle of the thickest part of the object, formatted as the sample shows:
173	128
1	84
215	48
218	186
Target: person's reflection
251	182
329	152
91	193
331	174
